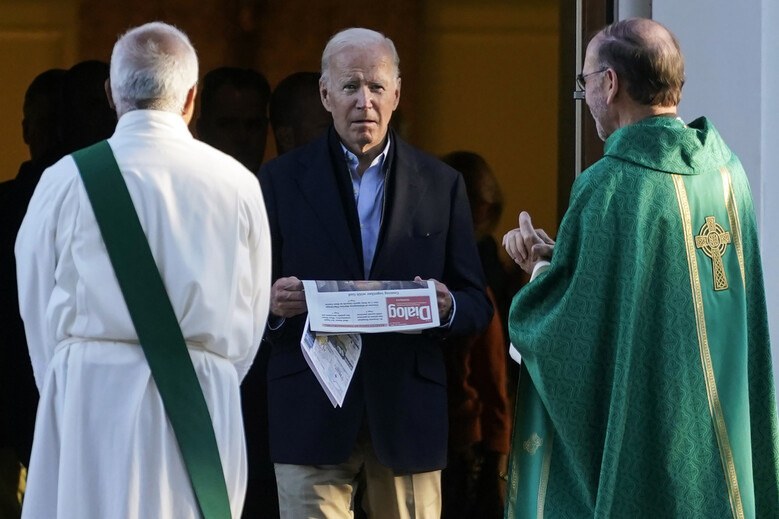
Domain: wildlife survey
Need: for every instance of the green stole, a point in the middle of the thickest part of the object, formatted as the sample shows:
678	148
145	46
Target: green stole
531	452
715	259
156	324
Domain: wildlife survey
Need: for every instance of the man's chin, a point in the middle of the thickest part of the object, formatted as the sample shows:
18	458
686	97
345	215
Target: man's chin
366	141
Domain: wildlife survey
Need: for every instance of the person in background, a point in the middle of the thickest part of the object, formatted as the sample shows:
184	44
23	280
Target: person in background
64	110
18	394
486	201
234	114
473	484
86	116
296	112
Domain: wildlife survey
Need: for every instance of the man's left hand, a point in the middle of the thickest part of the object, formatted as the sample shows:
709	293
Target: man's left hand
443	298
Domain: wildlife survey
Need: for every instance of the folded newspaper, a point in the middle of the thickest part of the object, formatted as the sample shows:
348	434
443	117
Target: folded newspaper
339	311
371	306
333	359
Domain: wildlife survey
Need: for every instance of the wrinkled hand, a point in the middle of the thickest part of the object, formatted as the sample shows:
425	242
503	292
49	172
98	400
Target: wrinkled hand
526	245
287	298
443	298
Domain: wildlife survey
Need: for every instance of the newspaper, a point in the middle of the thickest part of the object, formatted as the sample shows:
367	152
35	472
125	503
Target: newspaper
333	359
339	311
371	306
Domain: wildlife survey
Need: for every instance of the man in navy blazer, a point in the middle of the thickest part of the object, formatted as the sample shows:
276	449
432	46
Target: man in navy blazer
360	203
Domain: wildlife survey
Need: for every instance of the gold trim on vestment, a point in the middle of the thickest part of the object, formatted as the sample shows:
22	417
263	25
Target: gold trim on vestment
513	484
715	406
544	478
733	218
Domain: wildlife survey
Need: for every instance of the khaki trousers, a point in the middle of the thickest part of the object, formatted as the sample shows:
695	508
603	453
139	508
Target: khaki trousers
327	491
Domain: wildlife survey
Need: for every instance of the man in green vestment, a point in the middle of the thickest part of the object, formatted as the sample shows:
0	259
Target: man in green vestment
646	387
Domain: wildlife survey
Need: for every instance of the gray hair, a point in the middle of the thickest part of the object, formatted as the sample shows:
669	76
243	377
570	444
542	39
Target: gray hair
152	67
357	37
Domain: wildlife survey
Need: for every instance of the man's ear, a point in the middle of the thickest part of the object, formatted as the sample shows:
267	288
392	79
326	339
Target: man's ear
189	104
611	86
324	94
107	86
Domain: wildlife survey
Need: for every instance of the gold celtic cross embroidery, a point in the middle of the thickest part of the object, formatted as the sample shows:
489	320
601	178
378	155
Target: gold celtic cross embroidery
713	240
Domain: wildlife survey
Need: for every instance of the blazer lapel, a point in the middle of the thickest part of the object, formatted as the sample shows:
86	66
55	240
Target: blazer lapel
405	190
318	186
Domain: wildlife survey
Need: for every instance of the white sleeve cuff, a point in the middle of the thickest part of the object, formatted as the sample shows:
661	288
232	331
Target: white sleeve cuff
515	354
538	268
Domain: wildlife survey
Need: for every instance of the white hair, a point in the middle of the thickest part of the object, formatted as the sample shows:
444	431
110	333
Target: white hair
152	67
357	37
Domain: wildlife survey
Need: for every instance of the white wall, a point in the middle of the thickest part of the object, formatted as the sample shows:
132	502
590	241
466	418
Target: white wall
770	168
731	54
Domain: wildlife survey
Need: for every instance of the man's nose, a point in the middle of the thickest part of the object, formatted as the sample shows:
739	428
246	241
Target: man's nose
364	98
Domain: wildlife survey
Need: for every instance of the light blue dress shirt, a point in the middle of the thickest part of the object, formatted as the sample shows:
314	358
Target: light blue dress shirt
369	196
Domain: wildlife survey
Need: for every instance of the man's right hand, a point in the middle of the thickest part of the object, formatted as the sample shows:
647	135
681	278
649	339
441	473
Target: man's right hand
287	298
527	245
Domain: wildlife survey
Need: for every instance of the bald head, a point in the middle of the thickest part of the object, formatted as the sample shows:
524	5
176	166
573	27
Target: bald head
153	66
647	59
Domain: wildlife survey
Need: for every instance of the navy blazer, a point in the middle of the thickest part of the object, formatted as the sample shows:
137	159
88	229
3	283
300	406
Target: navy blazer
399	386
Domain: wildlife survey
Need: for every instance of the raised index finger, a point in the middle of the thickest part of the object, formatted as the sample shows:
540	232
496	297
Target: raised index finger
529	235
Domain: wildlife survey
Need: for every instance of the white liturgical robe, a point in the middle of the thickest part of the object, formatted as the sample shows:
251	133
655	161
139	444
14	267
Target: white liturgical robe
103	446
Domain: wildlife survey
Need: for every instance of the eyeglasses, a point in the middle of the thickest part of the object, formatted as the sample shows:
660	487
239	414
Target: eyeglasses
581	82
581	78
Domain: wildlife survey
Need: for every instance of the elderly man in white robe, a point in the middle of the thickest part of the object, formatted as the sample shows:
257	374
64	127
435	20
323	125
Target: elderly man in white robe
103	445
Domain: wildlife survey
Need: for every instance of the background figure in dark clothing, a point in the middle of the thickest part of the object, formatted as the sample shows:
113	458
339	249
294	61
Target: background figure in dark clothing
41	132
486	201
18	393
40	125
64	110
86	116
297	115
233	114
472	485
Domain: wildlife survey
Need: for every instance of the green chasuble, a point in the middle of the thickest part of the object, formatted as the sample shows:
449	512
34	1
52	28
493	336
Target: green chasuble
646	388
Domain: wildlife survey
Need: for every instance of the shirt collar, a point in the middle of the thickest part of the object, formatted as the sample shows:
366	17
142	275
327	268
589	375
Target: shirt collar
136	122
352	160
